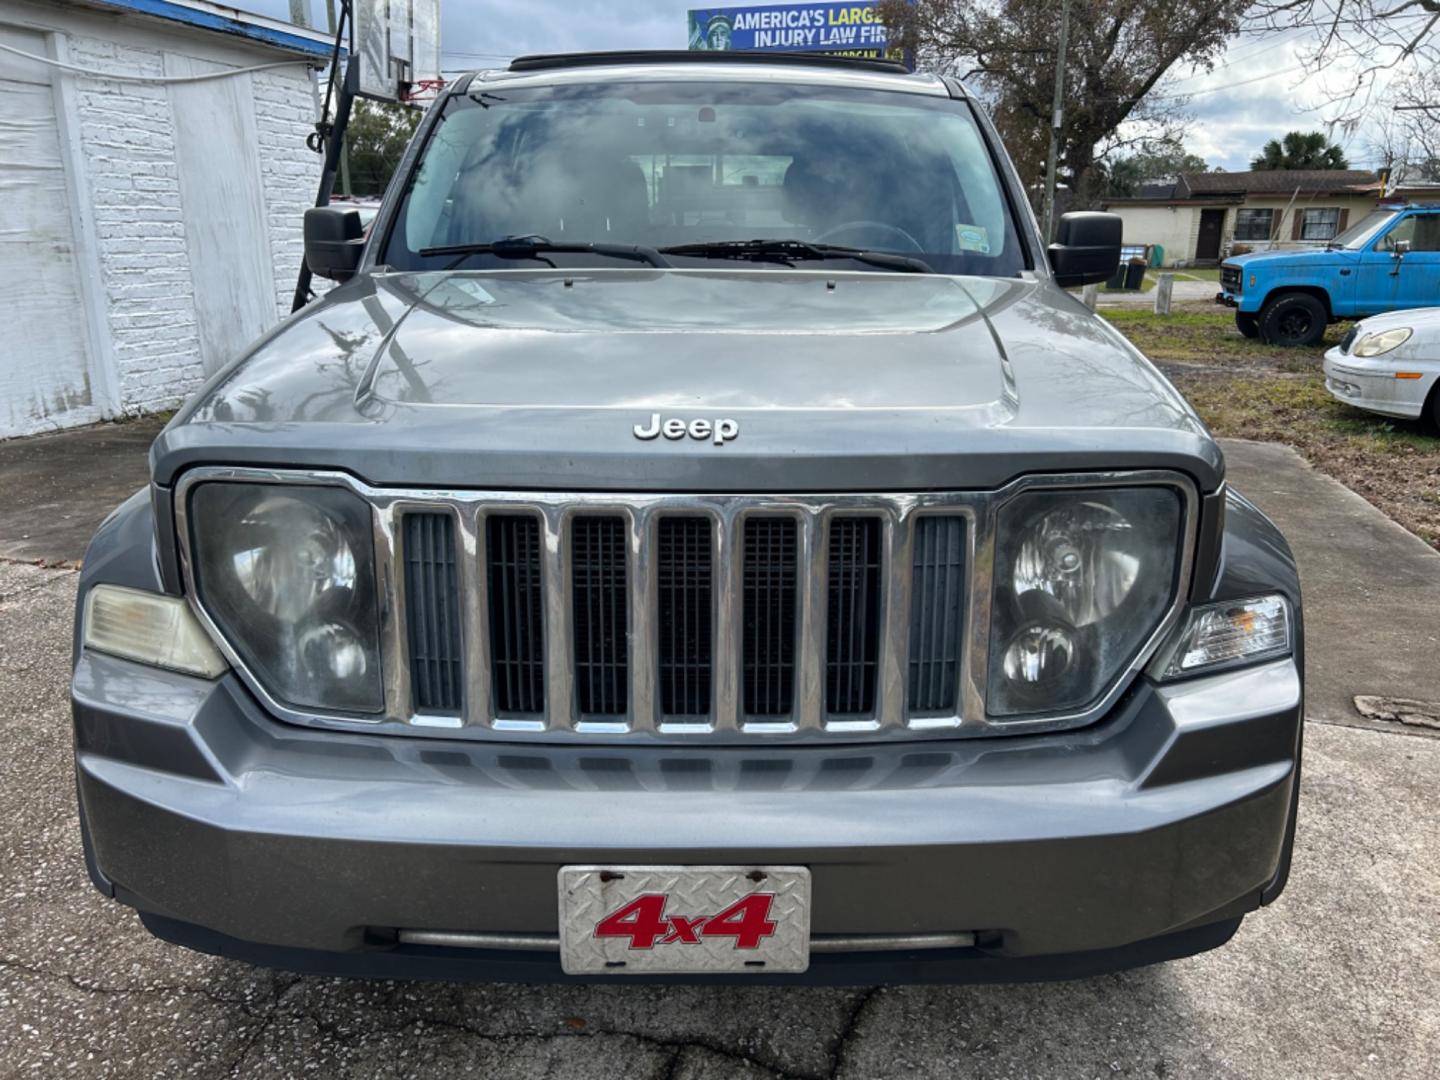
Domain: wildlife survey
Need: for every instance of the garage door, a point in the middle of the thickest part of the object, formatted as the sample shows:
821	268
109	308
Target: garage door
44	369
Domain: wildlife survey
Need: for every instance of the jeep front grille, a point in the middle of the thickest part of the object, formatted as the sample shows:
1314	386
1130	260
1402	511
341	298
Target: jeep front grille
1231	279
685	618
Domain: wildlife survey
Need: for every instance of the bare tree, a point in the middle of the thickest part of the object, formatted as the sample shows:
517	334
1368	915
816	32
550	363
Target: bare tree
1119	53
1380	40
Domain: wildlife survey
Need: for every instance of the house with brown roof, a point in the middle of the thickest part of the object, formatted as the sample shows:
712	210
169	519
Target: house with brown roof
1202	218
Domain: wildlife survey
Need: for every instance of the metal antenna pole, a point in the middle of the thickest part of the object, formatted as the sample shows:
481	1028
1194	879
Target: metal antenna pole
1057	120
333	143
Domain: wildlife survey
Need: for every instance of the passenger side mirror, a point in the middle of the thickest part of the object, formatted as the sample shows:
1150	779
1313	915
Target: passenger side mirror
334	242
1086	248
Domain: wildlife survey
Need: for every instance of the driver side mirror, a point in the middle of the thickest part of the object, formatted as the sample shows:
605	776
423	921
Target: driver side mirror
334	242
1400	249
1086	248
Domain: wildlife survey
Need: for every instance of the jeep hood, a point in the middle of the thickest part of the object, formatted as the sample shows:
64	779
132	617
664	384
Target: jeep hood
537	379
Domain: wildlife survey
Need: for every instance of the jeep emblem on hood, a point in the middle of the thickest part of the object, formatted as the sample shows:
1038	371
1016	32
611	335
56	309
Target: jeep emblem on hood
720	431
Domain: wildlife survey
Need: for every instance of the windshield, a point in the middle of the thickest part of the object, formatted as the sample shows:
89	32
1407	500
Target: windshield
1358	235
667	164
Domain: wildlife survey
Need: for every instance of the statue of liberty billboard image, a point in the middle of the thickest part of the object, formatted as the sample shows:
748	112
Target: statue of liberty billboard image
711	31
849	28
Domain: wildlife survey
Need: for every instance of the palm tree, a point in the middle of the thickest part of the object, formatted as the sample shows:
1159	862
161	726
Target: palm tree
1301	150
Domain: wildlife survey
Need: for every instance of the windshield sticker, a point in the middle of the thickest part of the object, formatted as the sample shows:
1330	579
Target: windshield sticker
972	238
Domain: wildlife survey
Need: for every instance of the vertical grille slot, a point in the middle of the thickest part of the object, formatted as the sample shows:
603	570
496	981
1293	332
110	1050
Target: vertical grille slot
432	617
602	670
936	613
517	620
852	633
769	598
685	645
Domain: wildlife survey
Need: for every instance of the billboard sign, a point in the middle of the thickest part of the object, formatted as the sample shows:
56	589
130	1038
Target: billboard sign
852	29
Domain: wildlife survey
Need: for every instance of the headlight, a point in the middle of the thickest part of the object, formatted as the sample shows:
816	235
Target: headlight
1082	580
287	573
1381	343
1230	634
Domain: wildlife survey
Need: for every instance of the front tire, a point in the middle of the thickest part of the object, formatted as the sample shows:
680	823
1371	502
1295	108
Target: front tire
1293	319
1247	324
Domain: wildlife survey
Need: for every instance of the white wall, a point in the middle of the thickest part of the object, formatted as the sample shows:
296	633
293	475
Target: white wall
159	238
1173	227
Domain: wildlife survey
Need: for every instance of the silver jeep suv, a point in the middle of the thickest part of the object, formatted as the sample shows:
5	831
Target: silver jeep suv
700	538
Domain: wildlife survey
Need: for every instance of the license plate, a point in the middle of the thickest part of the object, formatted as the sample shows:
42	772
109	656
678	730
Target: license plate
649	920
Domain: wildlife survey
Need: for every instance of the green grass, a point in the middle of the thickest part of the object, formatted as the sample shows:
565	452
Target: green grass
1197	334
1204	273
1249	390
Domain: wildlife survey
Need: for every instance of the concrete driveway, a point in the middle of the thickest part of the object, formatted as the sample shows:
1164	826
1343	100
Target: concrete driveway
1186	289
1338	978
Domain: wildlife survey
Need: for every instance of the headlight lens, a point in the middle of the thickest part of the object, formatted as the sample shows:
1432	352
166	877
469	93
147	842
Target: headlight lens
287	574
1082	580
150	629
1229	634
1381	343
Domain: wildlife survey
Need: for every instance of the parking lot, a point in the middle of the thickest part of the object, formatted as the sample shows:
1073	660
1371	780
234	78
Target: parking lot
1336	979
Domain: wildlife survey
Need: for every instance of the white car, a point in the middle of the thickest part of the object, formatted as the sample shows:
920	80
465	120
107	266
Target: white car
1389	364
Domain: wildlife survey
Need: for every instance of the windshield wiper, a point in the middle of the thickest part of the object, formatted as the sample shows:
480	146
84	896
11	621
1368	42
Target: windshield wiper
791	250
530	247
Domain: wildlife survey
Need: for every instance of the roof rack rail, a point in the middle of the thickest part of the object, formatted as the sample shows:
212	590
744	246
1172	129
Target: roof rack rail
550	61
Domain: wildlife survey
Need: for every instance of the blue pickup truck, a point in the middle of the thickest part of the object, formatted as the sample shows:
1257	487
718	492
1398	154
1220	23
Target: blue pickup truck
1387	261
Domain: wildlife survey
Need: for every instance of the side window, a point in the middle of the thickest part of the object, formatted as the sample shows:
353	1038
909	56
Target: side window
1427	232
1404	232
1422	231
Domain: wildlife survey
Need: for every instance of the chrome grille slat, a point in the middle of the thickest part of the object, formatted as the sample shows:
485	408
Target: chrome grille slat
640	533
809	704
517	620
475	586
559	644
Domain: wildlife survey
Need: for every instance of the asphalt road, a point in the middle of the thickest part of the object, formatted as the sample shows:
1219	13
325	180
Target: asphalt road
1338	978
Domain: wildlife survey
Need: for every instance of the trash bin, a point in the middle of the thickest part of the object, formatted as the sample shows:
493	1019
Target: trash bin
1135	273
1117	279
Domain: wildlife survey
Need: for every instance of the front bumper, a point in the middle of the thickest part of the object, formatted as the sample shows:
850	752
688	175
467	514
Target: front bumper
1372	385
1145	836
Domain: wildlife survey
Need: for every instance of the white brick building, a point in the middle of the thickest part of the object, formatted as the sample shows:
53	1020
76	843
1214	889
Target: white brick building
148	229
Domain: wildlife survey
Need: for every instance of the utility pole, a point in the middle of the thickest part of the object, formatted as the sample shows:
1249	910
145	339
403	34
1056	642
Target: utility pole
1057	120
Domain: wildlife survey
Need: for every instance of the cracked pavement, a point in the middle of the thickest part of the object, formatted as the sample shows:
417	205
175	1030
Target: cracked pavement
1338	978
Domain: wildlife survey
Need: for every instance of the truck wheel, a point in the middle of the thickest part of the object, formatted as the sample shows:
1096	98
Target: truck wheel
1247	324
1293	319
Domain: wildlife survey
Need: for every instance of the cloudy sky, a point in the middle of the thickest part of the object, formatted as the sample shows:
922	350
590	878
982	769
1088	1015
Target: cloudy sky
1230	123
